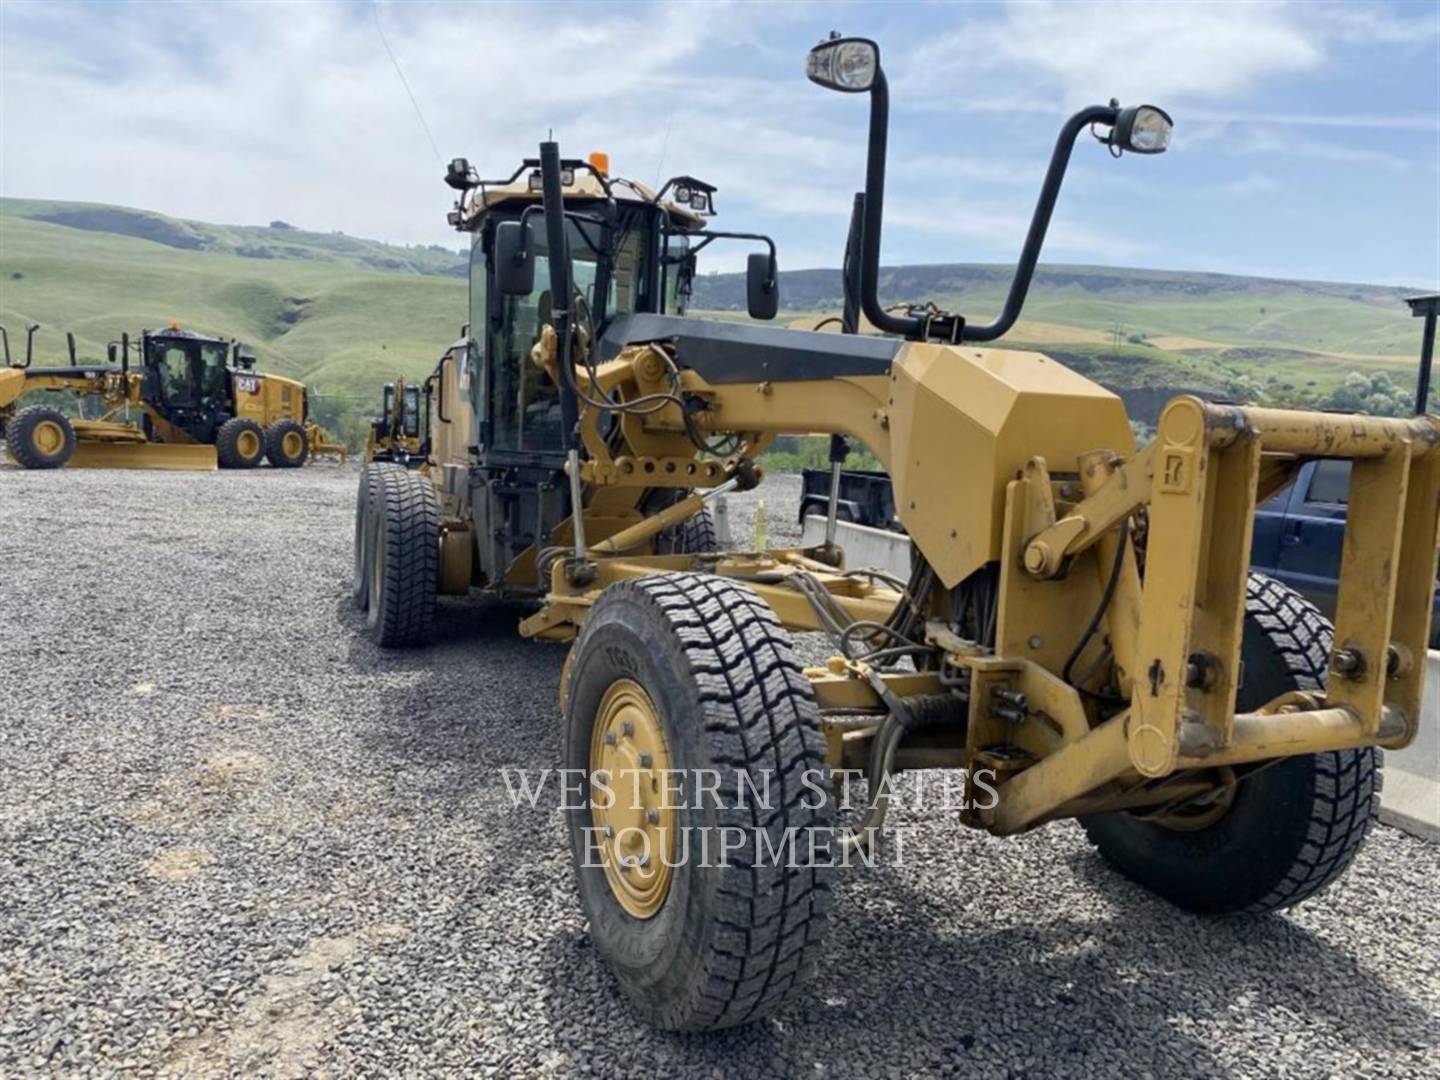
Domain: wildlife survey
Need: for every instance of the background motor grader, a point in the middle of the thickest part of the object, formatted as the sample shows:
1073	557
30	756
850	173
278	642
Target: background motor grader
397	434
1079	631
200	401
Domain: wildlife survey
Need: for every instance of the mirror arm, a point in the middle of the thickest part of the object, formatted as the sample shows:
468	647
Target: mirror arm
1040	222
561	292
869	275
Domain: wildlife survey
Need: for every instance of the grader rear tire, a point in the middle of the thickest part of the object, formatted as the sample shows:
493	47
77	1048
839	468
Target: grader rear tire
240	444
286	445
404	559
1291	828
367	497
696	535
692	672
40	437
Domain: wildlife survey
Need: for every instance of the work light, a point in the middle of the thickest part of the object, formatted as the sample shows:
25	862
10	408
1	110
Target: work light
1142	129
845	64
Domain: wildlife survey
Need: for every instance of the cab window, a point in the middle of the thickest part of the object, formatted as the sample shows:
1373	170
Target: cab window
175	373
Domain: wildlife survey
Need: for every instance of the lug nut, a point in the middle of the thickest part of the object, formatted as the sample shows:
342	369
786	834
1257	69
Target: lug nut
627	729
646	761
610	739
652	817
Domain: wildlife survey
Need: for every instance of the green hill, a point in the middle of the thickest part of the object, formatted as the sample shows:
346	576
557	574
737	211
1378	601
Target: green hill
346	313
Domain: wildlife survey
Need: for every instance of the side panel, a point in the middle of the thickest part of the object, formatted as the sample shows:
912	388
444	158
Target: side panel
963	423
267	399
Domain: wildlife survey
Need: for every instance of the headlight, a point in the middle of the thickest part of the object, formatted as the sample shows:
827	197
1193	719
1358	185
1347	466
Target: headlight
845	64
1142	129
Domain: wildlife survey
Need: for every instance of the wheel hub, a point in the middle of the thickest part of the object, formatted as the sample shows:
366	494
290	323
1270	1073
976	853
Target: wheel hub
293	444
635	825
48	437
248	444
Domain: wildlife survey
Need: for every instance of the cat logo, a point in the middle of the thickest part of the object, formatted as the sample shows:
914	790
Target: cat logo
247	384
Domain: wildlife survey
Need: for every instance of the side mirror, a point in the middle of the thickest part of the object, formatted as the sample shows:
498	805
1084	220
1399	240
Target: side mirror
112	353
514	260
762	288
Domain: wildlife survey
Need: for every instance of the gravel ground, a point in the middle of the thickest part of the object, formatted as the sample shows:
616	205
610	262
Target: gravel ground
236	837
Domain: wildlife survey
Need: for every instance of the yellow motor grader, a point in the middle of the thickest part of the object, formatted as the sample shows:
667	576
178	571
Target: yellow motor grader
1079	637
397	434
200	403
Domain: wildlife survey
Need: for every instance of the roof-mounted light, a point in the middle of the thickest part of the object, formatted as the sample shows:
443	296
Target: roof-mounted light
457	174
687	191
567	179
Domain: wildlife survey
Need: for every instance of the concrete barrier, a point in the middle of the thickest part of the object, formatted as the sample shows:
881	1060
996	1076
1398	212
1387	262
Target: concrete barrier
1411	796
864	547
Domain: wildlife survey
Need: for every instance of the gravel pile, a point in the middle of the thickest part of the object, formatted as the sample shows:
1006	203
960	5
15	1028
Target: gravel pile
234	836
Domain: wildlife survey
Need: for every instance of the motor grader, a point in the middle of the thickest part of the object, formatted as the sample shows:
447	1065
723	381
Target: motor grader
201	403
397	434
1079	637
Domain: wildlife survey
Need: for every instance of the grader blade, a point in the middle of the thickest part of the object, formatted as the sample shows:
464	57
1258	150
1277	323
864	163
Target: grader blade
165	456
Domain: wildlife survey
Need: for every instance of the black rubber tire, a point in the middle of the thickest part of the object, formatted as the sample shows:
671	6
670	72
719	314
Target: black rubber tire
275	445
227	444
20	435
1293	827
696	535
732	939
404	559
366	497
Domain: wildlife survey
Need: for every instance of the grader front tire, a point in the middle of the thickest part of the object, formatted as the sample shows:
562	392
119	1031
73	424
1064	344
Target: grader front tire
721	940
404	559
1290	829
40	437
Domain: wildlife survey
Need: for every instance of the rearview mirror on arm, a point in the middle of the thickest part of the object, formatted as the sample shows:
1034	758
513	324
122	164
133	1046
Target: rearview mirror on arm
762	286
514	259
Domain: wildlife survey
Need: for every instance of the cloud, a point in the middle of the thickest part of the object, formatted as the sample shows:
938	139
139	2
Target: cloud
1086	52
245	112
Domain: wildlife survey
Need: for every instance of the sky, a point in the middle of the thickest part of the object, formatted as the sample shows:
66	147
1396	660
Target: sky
1307	135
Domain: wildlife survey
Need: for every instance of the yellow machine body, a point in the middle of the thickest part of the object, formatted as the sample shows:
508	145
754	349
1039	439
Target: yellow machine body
110	442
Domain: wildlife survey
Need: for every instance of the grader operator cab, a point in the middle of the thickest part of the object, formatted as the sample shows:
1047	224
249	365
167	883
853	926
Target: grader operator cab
199	399
1079	637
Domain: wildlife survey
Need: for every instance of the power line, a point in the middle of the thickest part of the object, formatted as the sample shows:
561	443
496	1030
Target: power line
664	146
375	10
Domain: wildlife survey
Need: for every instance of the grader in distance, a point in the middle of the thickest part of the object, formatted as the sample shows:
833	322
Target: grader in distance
200	401
397	435
1080	628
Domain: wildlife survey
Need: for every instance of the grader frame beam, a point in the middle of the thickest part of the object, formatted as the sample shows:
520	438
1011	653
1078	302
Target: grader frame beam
1175	637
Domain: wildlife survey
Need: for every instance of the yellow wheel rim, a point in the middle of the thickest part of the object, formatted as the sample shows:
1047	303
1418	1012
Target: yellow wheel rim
293	443
248	443
47	437
635	825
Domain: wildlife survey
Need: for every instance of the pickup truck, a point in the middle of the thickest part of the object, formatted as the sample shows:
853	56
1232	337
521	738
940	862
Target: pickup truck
1299	534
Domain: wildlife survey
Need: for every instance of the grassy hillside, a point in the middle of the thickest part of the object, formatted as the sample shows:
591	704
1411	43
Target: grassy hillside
277	240
345	329
346	313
